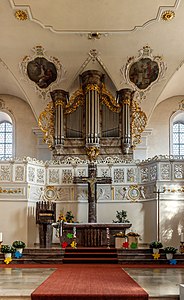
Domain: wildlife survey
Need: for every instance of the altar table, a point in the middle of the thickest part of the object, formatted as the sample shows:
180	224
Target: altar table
92	234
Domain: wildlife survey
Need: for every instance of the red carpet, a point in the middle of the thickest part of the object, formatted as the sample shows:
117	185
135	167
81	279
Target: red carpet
58	266
94	282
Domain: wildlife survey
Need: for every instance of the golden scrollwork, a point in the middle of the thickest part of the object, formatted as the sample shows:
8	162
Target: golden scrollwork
92	152
138	124
76	100
60	102
92	87
168	15
46	124
108	99
21	15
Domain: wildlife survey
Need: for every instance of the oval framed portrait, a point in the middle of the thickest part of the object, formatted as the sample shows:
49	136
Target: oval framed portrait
133	193
50	193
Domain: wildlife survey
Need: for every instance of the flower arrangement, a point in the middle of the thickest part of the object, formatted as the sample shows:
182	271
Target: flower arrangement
7	249
68	217
120	234
170	249
155	245
121	217
133	234
19	244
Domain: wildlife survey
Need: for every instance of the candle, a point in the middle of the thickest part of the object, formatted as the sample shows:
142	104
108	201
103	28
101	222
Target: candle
74	232
1	237
61	228
182	238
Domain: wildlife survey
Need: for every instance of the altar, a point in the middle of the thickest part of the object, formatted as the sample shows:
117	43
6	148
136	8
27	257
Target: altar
92	234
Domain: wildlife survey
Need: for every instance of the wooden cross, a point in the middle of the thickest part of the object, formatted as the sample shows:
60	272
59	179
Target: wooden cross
92	180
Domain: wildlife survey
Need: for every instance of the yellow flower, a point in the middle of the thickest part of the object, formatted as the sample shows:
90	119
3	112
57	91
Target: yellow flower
73	245
156	255
8	260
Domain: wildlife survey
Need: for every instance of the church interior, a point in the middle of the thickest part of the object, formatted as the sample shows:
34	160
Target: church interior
92	132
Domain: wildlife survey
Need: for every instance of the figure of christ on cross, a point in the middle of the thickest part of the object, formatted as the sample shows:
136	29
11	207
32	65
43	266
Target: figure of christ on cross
92	180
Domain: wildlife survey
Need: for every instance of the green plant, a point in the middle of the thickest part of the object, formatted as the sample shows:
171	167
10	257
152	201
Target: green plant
155	245
121	217
69	217
170	249
19	244
7	249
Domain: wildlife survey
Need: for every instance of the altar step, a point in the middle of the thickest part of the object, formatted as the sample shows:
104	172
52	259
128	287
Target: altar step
38	256
90	255
144	256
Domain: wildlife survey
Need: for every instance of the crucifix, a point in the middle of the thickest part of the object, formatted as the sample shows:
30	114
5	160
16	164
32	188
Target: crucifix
92	180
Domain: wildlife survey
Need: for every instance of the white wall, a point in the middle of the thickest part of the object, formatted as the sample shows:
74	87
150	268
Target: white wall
25	140
158	141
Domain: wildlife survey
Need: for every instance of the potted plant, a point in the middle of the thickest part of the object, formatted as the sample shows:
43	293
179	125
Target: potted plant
155	245
170	251
19	245
133	238
7	250
120	238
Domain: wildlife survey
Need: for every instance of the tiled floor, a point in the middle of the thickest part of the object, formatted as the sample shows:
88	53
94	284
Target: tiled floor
18	283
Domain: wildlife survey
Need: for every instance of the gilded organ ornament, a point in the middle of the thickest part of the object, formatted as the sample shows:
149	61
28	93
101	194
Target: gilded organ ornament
92	152
138	123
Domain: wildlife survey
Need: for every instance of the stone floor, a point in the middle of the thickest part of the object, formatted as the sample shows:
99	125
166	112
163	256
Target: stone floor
17	283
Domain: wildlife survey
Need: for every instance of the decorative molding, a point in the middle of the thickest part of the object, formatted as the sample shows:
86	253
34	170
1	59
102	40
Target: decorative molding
168	15
143	71
41	71
154	19
21	15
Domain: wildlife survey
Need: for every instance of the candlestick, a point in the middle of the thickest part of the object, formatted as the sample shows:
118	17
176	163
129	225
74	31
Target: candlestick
61	228
74	232
108	238
1	237
182	238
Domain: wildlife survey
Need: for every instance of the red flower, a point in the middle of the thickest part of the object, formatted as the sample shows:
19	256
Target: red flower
64	245
125	245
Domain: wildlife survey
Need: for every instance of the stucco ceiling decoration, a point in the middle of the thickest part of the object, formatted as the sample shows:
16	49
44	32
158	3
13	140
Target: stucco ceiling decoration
72	10
43	72
93	61
21	15
142	72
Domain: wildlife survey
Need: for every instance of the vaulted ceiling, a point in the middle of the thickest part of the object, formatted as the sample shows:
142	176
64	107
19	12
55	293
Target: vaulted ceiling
73	30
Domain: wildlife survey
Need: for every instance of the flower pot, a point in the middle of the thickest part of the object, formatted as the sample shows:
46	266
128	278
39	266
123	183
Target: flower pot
169	256
19	250
155	250
6	255
133	242
119	242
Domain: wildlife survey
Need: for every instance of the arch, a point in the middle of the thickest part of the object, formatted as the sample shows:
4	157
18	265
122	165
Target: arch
177	133
7	133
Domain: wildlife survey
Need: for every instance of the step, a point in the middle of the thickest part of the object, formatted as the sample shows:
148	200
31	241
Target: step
90	260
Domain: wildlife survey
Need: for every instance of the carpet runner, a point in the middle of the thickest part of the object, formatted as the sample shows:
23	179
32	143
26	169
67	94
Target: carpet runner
94	282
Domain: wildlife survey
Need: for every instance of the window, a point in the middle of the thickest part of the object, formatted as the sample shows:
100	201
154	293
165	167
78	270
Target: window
178	138
6	136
